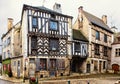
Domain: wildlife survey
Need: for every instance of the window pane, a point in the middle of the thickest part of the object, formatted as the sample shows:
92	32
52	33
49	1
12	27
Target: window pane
77	47
105	38
97	35
34	42
54	43
97	52
53	25
34	22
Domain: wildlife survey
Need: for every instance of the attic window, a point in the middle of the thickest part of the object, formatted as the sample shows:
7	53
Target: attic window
53	16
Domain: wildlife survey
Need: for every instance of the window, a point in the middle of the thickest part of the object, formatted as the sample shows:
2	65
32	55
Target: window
53	25
5	44
97	49
117	52
105	38
104	65
95	65
32	60
4	54
14	63
97	35
34	22
8	41
52	64
61	63
77	47
8	52
33	42
43	64
105	51
54	44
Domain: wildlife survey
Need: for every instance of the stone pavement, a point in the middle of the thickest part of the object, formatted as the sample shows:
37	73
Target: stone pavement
81	81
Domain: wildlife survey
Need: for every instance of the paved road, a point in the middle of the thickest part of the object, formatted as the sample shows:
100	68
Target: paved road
7	82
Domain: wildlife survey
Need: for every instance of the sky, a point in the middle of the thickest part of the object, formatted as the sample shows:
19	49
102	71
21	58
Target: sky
13	9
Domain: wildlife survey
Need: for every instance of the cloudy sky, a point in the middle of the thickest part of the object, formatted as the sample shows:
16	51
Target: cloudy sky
13	8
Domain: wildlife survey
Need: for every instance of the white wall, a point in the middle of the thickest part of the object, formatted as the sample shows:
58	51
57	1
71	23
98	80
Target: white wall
114	59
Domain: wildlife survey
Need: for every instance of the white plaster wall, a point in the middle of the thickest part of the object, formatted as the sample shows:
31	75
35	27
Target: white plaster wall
24	33
114	59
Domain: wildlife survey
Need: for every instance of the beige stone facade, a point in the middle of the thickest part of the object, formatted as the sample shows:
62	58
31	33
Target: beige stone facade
100	39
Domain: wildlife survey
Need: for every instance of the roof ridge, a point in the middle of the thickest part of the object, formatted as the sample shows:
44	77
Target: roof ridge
96	21
94	16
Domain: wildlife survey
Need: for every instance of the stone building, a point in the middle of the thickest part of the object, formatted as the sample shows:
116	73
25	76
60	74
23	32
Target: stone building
99	36
115	53
9	45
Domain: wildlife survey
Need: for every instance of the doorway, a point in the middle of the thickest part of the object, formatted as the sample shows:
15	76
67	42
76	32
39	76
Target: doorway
100	63
18	69
88	68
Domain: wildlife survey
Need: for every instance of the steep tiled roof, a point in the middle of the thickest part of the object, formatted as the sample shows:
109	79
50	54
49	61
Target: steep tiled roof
77	35
96	21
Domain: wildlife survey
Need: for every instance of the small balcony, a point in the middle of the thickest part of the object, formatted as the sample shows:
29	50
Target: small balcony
80	54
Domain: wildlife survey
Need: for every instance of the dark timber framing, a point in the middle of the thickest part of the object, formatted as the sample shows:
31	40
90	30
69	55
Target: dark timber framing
44	33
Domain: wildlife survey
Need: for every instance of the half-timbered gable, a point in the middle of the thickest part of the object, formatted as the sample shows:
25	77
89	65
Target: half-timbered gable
47	31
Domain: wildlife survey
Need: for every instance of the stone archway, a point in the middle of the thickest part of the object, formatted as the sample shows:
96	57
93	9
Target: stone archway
115	67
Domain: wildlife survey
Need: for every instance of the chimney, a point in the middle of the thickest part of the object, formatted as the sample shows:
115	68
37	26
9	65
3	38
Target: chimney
104	18
10	23
80	9
114	29
57	8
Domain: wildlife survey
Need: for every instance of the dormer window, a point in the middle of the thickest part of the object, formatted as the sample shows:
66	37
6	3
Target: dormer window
34	22
53	25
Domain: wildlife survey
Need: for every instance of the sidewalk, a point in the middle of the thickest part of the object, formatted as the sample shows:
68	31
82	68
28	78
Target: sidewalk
14	80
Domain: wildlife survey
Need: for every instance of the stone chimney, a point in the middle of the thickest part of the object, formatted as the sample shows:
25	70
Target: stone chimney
10	23
104	18
80	9
57	8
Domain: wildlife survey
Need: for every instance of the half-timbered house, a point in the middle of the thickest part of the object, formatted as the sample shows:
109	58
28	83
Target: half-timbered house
45	36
